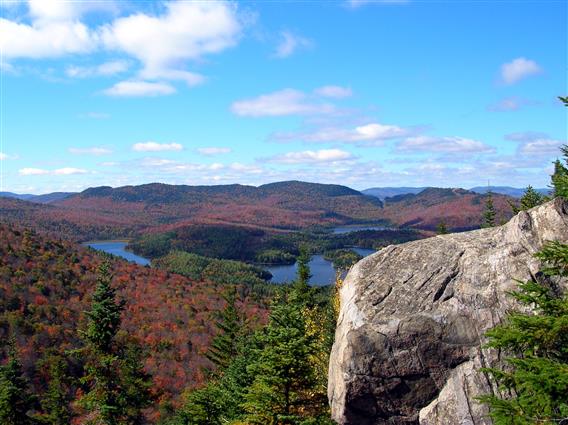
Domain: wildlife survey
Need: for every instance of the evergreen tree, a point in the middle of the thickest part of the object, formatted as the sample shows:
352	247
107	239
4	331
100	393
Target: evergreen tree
536	379
442	229
284	376
559	178
489	214
530	199
55	402
203	406
16	400
224	346
302	292
136	384
302	282
118	388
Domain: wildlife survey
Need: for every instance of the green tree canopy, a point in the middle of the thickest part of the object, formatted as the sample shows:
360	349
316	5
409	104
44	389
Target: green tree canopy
16	400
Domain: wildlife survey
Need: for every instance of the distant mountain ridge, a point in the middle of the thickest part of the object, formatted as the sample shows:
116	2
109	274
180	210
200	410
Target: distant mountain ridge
105	212
387	192
459	209
506	190
40	199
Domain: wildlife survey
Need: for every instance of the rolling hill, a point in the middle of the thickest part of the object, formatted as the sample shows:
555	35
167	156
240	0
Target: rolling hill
46	286
105	212
40	199
460	209
284	205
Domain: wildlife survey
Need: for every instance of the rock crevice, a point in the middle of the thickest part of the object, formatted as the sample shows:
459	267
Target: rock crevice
408	344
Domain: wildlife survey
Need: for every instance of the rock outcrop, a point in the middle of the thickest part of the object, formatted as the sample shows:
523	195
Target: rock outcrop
410	334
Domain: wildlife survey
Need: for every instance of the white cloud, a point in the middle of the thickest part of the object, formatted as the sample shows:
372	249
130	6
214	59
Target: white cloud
533	144
246	168
32	172
542	147
186	31
376	131
369	134
323	155
512	103
210	151
95	150
290	43
45	39
518	69
55	30
156	147
163	43
443	144
525	136
139	89
5	156
69	171
280	103
59	10
336	92
106	69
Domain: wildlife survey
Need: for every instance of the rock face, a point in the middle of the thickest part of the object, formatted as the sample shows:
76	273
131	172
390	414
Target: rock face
408	343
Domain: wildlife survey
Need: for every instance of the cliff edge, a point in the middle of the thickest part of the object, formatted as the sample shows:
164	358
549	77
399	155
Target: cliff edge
408	343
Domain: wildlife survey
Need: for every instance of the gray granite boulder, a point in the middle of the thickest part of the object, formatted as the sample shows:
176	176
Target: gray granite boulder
408	343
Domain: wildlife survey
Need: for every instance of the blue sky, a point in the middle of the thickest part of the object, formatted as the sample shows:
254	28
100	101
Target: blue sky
361	93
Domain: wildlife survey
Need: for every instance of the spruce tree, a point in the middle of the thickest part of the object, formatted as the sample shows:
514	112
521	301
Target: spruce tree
535	383
284	376
302	292
118	387
136	384
442	228
224	346
55	402
559	178
489	214
530	199
16	400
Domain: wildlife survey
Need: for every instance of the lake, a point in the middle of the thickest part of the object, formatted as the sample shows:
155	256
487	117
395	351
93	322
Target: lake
118	248
322	270
357	228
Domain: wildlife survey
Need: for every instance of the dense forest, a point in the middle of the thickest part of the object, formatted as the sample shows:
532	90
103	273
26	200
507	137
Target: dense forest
172	325
261	246
46	286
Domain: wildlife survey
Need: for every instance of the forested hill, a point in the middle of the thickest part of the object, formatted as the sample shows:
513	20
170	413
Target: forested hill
288	205
46	285
125	212
459	209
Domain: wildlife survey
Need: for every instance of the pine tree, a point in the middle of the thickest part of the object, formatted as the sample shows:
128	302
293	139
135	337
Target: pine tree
537	374
16	400
118	387
489	214
224	346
